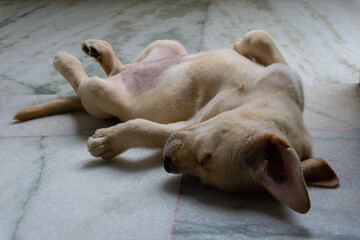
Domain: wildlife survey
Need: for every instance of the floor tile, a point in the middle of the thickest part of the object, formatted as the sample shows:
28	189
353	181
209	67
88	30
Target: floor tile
53	189
332	106
19	177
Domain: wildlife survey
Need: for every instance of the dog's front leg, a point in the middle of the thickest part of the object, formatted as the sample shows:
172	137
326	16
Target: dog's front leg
110	142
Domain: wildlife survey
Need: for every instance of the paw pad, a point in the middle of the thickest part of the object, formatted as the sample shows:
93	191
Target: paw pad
85	48
94	52
91	51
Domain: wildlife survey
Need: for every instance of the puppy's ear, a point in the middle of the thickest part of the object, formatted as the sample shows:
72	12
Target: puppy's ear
317	172
276	166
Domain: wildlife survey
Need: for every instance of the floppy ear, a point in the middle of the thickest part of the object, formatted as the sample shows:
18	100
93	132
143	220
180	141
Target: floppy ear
276	166
317	172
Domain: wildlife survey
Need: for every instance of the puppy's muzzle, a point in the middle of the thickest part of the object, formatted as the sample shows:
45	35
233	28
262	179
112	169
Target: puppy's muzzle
171	150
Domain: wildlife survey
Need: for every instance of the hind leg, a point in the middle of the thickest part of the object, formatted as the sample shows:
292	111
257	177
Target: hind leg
159	48
257	45
104	54
96	94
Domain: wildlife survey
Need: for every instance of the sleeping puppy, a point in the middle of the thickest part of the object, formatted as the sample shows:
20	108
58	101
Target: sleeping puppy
233	118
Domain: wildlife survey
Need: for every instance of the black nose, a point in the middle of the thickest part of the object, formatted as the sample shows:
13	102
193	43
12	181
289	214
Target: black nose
167	163
167	159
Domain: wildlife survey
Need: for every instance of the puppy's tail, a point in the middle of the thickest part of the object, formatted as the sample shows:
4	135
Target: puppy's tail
52	107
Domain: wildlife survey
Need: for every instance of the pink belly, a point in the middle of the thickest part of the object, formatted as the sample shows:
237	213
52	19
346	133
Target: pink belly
146	75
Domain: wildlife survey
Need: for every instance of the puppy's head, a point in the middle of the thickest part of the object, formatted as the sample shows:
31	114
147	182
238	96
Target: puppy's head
235	158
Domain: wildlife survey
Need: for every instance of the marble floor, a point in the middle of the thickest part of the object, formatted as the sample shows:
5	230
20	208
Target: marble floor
52	188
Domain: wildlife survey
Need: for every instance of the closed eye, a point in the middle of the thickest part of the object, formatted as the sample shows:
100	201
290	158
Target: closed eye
205	159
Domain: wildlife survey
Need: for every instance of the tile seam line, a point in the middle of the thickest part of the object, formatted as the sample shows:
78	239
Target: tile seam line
176	208
204	26
77	135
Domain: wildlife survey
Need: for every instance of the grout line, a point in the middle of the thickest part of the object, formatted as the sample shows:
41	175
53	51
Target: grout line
88	135
176	208
204	26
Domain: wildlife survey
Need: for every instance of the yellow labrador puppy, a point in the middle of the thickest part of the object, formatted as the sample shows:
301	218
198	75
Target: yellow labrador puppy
231	117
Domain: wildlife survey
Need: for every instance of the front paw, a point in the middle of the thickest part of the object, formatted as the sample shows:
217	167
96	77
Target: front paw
105	143
95	48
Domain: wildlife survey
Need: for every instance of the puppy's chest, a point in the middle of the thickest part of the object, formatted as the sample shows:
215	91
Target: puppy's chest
147	75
